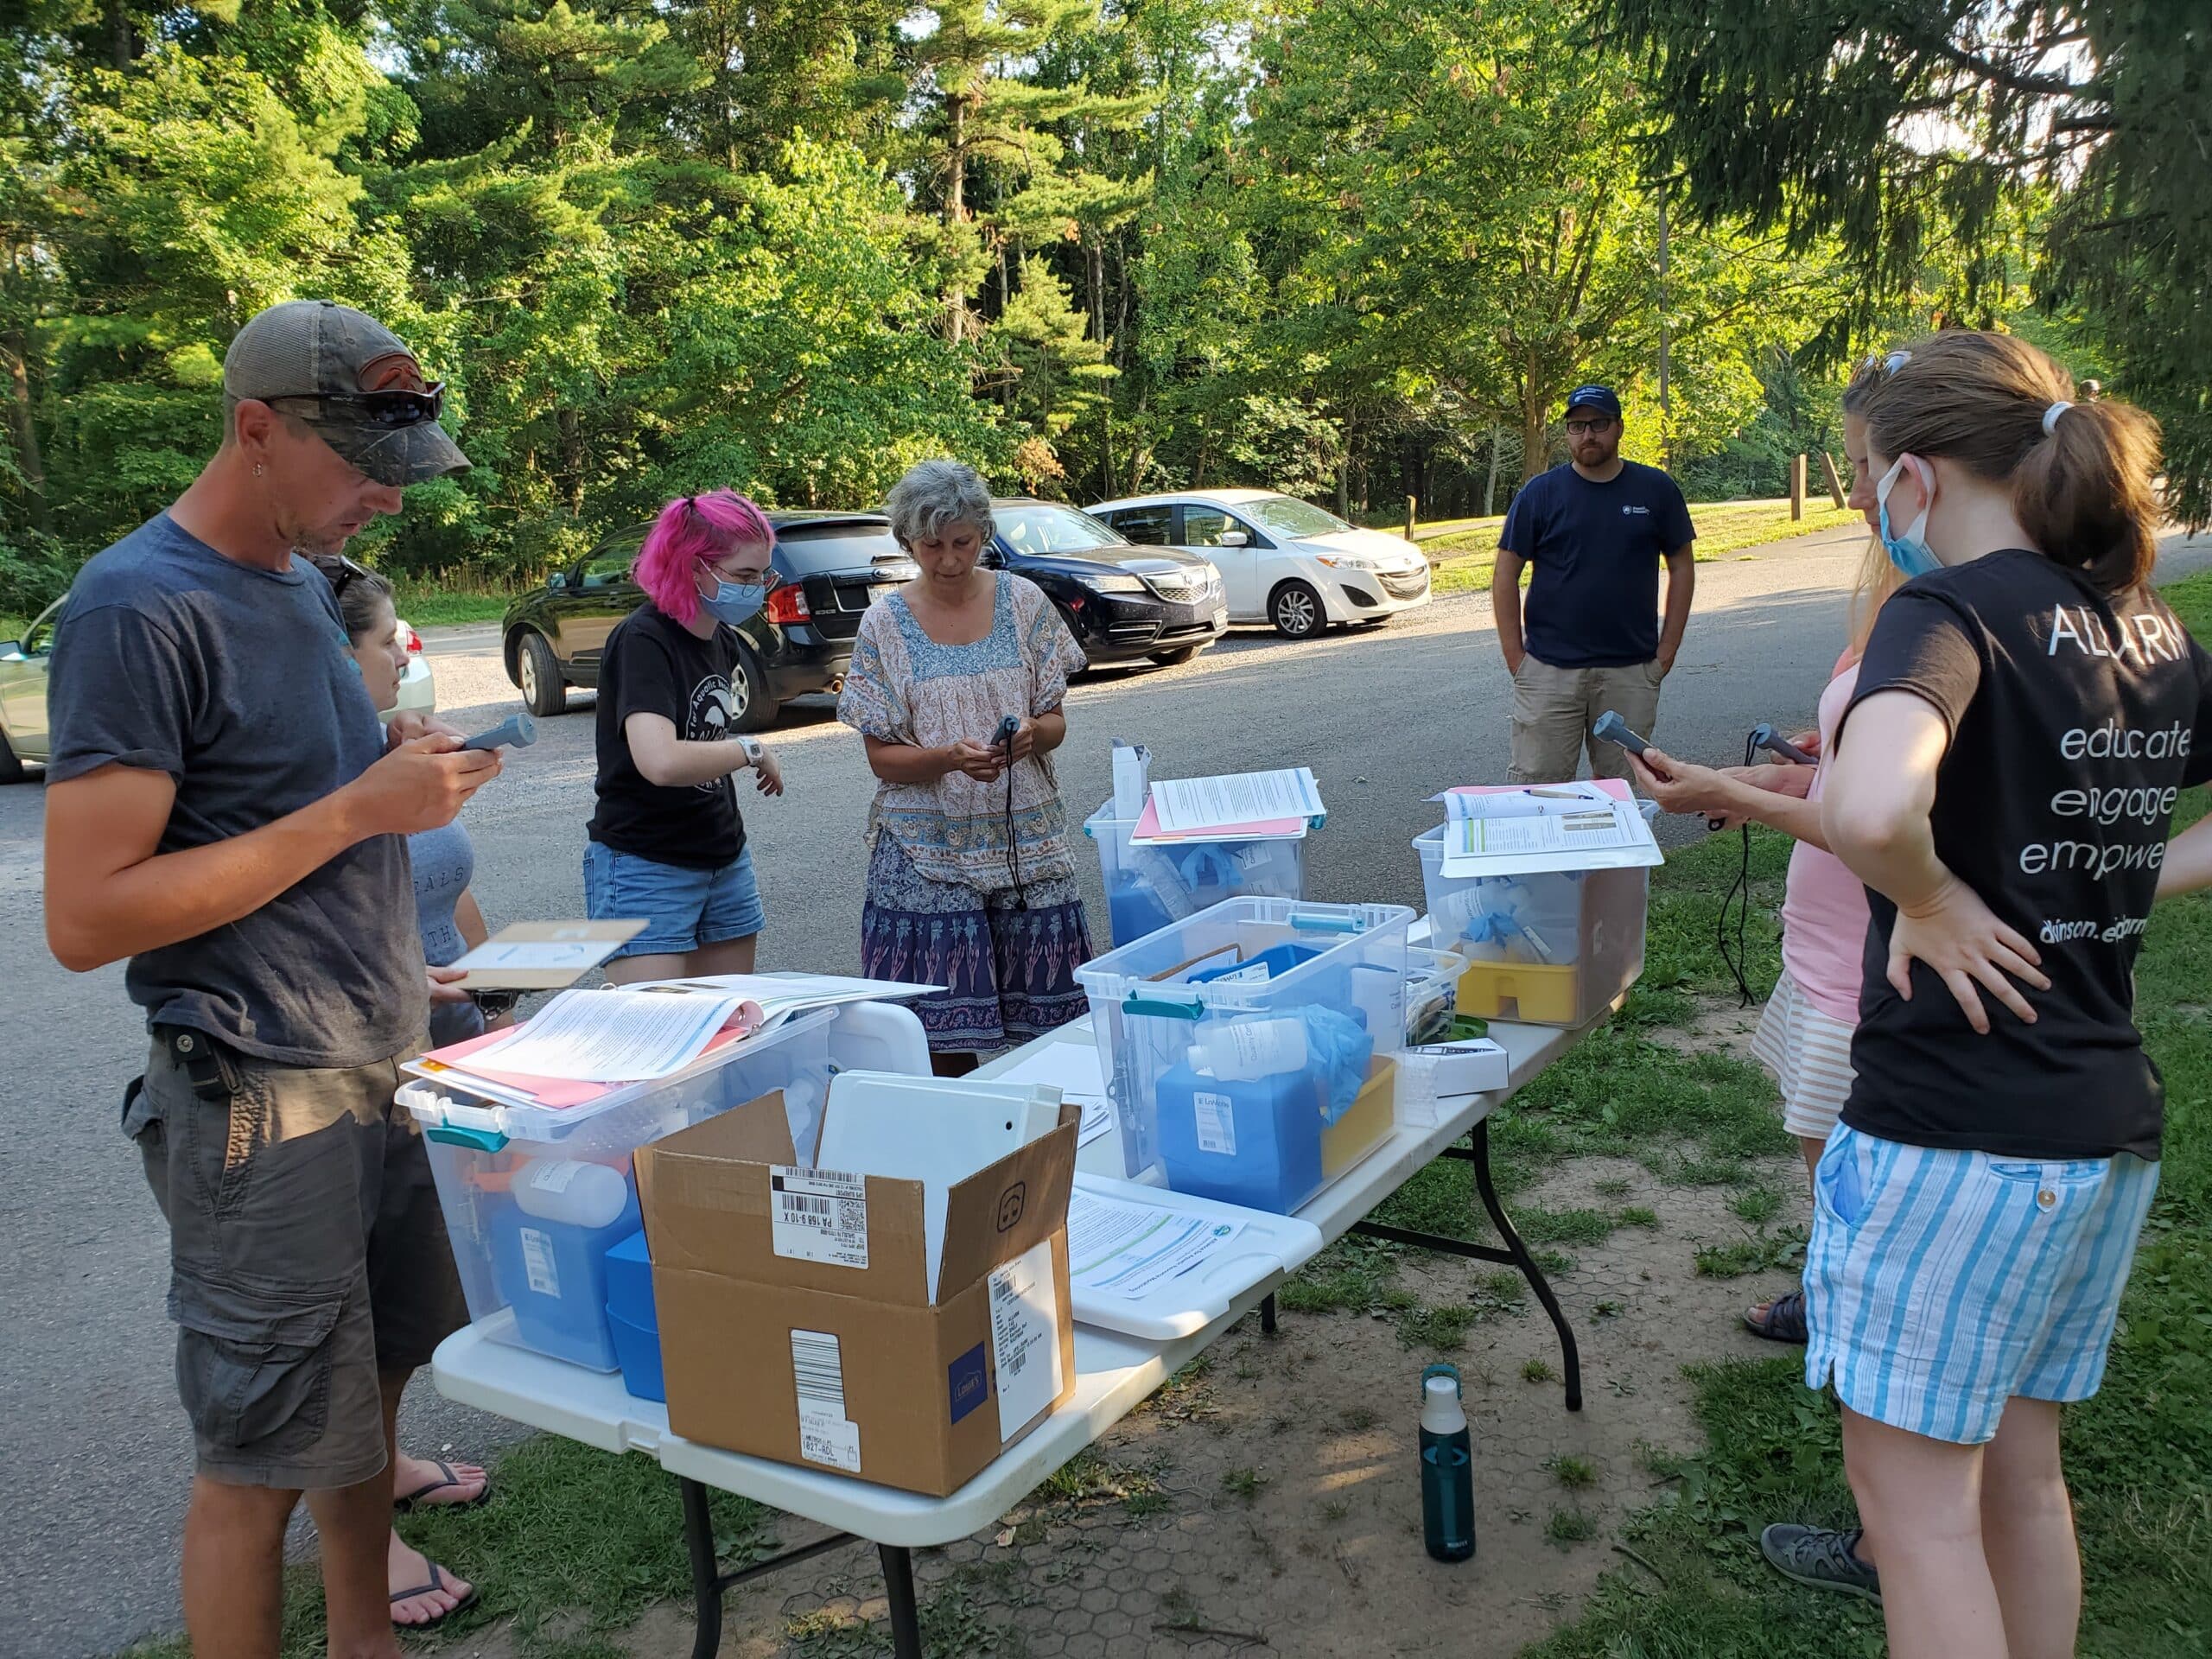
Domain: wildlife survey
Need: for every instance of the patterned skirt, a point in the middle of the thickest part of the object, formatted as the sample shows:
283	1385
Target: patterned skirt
1009	970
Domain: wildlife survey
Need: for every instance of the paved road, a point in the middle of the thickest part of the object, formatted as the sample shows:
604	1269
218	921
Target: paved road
93	1455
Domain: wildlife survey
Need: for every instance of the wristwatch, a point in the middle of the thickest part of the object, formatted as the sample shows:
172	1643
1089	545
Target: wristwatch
753	748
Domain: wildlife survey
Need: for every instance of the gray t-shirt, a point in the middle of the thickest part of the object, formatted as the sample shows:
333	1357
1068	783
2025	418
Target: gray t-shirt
238	683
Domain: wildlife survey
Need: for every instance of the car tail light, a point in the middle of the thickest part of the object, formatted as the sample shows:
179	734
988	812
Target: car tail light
787	605
411	640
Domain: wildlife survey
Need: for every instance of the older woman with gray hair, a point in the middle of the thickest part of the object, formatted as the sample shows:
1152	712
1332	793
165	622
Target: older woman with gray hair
955	684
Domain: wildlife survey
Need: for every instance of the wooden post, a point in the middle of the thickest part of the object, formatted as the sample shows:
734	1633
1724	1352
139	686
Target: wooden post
1409	517
1837	493
1797	486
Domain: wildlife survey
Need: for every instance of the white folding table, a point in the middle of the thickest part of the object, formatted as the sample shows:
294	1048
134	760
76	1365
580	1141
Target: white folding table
1113	1373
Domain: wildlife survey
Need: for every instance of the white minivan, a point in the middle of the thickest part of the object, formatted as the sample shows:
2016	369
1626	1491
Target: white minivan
1282	561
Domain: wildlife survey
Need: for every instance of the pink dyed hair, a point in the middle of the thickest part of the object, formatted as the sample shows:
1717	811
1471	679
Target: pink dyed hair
693	530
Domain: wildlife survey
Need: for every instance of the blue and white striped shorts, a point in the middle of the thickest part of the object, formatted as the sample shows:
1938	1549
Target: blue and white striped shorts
1940	1284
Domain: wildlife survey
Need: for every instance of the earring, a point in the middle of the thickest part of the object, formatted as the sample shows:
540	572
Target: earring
257	469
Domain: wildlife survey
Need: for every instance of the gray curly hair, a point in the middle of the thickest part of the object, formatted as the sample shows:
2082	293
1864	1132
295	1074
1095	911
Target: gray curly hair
935	494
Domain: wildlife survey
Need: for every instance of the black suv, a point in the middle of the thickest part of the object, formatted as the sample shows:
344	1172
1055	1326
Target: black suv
1121	601
830	566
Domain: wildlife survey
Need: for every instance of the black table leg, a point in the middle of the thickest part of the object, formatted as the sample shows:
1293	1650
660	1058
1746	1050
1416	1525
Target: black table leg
1570	1355
1268	1314
1514	1255
899	1592
706	1572
709	1583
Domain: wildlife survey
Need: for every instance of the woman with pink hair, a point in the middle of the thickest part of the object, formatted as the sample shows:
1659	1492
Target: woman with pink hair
667	843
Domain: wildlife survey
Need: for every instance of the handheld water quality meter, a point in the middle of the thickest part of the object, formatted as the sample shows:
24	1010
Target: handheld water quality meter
1009	729
1763	736
1611	727
516	731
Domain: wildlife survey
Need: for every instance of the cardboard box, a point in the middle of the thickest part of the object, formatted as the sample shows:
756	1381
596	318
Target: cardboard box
794	1314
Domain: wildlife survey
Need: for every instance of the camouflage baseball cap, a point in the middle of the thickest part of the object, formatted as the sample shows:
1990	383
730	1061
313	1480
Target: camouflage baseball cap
351	379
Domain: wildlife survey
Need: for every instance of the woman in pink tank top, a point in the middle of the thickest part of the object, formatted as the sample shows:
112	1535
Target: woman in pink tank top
1804	1038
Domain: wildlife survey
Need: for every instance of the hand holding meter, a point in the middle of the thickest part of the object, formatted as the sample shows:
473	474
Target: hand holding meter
1763	736
1009	729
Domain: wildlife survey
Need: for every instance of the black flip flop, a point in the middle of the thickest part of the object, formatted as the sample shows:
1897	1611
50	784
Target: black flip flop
436	1586
413	1501
1784	1321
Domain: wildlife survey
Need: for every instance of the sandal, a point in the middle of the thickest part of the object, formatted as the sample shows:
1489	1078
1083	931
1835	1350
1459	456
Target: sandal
1783	1320
435	1587
416	1499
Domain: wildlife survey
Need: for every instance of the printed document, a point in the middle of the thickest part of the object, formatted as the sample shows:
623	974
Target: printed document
1187	805
1130	1251
615	1036
1072	1068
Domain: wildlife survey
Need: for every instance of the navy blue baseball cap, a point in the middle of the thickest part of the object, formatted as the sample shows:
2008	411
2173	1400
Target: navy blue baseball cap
1603	399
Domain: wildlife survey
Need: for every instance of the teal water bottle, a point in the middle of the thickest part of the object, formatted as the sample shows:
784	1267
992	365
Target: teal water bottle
1447	1475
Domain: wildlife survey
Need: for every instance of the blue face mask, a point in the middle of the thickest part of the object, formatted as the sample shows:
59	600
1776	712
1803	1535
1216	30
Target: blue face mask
734	602
1908	552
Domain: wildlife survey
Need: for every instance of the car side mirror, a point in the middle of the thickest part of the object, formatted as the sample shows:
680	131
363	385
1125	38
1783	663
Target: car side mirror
557	581
11	651
1235	538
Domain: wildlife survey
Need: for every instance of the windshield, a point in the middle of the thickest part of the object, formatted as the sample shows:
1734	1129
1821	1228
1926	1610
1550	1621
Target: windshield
1286	517
1032	529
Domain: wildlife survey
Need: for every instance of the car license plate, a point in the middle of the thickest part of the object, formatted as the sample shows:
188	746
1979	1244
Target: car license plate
1221	618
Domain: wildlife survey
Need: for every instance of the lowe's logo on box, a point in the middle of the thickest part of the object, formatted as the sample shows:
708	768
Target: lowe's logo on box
968	1383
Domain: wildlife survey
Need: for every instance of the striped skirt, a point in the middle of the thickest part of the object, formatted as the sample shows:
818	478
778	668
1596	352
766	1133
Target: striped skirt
1807	1054
1008	970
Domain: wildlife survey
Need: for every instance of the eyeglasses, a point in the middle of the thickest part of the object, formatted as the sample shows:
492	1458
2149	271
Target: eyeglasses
1586	429
395	409
1887	362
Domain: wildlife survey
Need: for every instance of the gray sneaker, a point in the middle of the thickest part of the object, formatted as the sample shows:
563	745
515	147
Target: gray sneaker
1821	1557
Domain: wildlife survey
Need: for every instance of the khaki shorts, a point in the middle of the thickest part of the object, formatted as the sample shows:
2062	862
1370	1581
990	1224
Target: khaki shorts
1555	708
307	1256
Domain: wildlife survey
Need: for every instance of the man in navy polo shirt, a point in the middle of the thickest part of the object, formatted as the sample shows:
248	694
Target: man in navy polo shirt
1593	533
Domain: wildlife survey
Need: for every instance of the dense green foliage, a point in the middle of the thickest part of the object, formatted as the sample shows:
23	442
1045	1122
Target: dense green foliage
1893	131
1092	245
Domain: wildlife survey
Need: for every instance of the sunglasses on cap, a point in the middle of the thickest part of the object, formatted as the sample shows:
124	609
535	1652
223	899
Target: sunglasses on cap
338	571
1888	362
394	410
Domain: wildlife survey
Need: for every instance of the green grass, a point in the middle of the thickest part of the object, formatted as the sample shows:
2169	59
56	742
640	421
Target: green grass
1465	558
572	1546
444	600
1576	1474
1570	1527
1243	1485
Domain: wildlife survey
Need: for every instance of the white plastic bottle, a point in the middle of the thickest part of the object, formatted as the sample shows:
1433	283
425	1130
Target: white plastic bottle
1240	1051
573	1191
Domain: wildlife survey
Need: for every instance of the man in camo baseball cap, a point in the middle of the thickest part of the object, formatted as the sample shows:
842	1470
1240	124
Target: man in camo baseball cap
351	381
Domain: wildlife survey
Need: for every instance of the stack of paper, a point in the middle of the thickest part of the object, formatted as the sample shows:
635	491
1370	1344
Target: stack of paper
1525	830
1280	805
582	1046
1073	1068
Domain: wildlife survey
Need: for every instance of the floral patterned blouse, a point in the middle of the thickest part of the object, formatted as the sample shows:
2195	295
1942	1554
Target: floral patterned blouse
903	687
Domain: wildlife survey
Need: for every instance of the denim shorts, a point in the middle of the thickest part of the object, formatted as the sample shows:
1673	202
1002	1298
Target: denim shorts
1940	1284
683	910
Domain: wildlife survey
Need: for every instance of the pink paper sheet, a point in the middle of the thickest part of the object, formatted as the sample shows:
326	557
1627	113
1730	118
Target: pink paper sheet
1147	829
548	1092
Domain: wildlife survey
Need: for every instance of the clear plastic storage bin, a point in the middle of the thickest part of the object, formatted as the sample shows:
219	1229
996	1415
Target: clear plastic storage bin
1432	994
1244	1045
1150	887
535	1197
1546	949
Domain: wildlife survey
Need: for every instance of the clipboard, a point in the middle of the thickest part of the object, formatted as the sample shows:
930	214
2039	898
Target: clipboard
543	956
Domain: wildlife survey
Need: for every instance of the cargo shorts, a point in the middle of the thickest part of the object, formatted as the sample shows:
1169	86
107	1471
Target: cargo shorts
1554	710
307	1256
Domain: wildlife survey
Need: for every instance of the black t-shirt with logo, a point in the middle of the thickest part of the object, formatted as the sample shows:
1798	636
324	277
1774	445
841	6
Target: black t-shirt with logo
2076	719
1594	553
654	665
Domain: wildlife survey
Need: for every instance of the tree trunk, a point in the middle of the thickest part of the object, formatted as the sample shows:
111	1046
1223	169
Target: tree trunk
122	39
1489	484
20	423
956	208
1094	260
572	461
1533	448
1121	305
